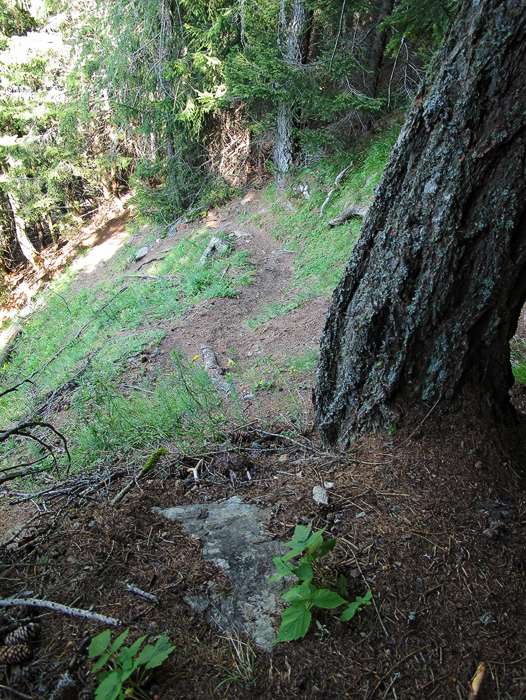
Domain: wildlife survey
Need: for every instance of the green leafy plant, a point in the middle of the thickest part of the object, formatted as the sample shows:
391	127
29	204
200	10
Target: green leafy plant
305	549
122	671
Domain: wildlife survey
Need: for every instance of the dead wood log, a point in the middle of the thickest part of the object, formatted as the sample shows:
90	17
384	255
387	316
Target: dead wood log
337	183
355	211
214	370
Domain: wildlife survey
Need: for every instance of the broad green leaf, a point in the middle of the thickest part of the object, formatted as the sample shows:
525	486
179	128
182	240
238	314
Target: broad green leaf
109	688
359	602
101	662
99	644
325	598
282	569
301	534
315	542
327	546
303	592
295	623
137	644
304	571
342	585
146	654
119	641
294	552
163	648
128	665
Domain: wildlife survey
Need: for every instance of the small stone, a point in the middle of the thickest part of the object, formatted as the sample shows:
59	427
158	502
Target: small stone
319	494
487	619
216	247
141	253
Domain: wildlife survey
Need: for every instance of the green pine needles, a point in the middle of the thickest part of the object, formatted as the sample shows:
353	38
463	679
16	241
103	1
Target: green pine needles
305	549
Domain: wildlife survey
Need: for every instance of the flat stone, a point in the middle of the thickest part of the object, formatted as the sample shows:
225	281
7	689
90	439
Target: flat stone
141	253
216	247
235	538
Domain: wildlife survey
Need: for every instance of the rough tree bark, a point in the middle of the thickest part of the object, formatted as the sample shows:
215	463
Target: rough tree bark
291	37
431	296
376	46
28	249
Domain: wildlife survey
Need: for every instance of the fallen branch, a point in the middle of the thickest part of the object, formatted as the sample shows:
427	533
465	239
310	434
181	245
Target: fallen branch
355	211
148	466
150	597
214	370
59	608
337	183
151	260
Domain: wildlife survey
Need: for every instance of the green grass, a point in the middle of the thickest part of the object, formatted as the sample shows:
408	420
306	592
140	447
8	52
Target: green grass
181	407
269	373
518	360
92	334
322	252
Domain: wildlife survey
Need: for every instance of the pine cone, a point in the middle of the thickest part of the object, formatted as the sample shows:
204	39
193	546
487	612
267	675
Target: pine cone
23	634
16	654
20	674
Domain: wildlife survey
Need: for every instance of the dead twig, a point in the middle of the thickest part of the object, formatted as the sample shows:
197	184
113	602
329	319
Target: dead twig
59	608
150	597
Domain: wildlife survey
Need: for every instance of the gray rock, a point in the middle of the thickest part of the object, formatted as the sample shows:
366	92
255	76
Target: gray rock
235	538
216	247
320	496
141	253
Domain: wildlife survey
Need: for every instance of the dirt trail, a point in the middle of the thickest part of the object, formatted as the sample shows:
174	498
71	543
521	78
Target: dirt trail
222	322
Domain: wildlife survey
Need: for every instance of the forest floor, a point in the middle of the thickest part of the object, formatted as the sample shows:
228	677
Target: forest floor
419	520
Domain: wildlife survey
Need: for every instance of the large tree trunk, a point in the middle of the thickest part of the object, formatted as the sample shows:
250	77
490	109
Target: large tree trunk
291	38
28	249
376	46
431	296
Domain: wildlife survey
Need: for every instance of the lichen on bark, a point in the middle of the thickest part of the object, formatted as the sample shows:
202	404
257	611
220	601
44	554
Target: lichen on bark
432	293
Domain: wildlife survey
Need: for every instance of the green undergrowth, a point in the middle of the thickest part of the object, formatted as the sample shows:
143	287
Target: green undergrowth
518	360
83	344
321	252
270	373
180	407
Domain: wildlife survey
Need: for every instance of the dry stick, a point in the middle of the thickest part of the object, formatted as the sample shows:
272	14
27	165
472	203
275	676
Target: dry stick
337	183
398	663
372	597
415	431
17	693
59	608
151	462
142	594
151	260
